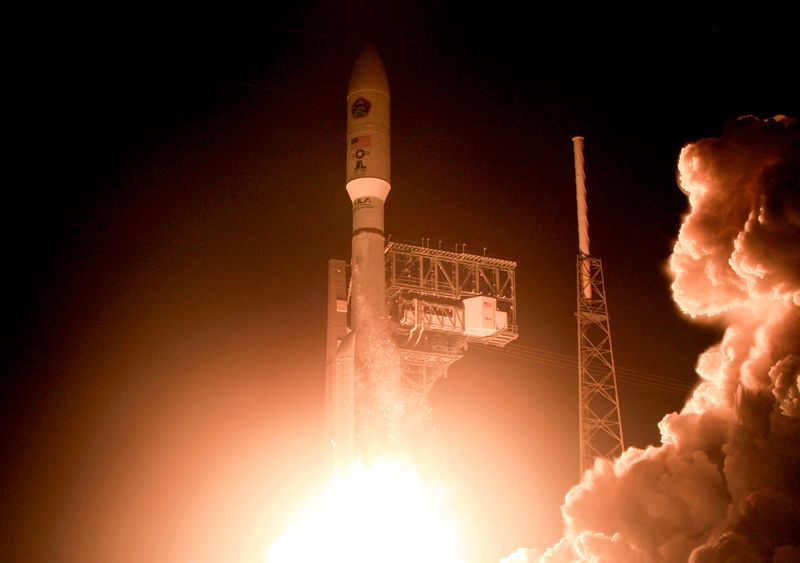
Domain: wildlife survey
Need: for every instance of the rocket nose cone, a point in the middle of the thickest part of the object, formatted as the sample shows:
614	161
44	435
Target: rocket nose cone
368	72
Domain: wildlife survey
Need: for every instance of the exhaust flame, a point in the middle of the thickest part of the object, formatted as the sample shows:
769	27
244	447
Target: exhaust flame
381	510
725	483
384	512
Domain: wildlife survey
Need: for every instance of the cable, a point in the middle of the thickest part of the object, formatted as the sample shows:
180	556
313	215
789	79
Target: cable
570	363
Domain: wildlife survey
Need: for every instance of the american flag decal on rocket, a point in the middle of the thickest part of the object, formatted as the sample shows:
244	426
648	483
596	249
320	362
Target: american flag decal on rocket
361	141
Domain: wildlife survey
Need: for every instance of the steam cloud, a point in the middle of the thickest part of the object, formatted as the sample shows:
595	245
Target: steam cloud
725	483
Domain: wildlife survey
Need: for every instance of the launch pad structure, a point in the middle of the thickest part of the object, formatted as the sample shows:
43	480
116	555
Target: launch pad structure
437	302
600	423
440	301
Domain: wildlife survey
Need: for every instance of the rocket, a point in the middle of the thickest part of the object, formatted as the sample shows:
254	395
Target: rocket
368	184
368	181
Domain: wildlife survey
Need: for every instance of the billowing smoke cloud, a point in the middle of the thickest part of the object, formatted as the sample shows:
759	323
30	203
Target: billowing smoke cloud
725	483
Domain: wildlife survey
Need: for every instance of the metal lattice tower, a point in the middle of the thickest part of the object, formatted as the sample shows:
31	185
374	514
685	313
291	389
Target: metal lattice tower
439	301
600	425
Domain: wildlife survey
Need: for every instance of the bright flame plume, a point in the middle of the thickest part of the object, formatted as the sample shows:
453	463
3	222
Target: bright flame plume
382	512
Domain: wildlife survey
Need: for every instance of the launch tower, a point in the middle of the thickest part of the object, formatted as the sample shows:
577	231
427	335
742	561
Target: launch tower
600	425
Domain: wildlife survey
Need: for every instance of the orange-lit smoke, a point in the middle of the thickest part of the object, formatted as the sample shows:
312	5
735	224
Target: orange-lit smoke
725	483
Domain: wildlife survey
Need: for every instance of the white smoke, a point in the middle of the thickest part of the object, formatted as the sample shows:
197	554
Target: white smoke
391	417
725	483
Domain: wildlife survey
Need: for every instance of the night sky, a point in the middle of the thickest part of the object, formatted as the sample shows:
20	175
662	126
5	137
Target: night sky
183	190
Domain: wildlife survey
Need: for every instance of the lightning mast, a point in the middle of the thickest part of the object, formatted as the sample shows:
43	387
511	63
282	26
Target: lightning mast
600	426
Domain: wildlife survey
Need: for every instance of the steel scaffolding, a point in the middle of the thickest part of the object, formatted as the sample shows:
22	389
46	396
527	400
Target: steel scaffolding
426	290
600	423
437	302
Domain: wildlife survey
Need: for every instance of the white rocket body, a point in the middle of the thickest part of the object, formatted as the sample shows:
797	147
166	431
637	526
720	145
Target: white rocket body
368	185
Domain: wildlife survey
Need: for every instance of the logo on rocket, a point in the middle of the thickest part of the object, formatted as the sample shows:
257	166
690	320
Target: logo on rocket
360	108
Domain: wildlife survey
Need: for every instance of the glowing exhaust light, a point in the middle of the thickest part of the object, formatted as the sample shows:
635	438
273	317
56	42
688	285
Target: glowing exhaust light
380	513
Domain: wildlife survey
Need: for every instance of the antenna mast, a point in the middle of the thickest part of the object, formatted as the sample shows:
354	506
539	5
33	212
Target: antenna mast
600	426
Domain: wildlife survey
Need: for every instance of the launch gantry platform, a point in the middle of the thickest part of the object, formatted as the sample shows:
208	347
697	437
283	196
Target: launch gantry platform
438	301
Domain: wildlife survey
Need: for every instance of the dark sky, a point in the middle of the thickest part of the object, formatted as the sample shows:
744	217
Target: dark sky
183	189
